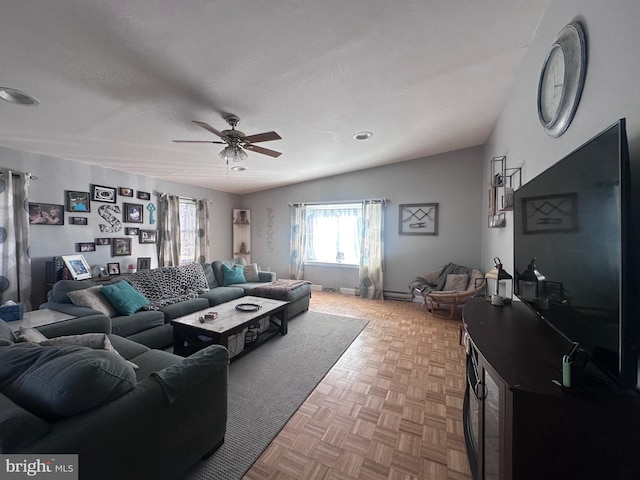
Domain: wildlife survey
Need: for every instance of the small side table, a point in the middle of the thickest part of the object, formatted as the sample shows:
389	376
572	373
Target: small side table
38	318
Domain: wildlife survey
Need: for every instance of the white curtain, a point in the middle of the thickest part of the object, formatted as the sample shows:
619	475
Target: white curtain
298	241
15	268
168	230
372	249
202	231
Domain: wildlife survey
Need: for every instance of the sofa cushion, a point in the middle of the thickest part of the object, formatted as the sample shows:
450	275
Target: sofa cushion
62	288
208	273
93	297
456	282
251	272
219	295
233	275
127	325
61	381
20	428
7	337
217	267
125	299
181	309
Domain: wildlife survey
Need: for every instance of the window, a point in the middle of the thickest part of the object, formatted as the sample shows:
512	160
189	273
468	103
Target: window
333	233
187	231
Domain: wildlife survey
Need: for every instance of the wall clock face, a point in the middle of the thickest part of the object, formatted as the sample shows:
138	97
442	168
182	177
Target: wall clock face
562	79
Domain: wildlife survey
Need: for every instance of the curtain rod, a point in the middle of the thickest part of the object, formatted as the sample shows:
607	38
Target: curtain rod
17	174
381	200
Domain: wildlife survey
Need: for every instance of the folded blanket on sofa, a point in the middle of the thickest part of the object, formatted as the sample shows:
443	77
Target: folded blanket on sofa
168	285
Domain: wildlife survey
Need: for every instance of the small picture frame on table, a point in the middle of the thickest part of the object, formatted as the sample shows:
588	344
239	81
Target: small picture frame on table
144	263
100	193
120	247
77	201
77	266
113	268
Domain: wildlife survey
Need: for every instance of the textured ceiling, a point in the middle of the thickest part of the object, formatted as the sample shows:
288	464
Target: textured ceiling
118	80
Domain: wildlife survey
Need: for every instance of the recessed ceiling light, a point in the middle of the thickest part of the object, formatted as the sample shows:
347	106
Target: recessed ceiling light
238	168
12	95
363	135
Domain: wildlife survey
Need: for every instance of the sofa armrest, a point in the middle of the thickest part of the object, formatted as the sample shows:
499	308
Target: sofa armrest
77	326
70	309
267	276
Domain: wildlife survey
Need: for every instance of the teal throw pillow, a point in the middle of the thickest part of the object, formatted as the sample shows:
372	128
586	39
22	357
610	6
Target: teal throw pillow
124	298
233	275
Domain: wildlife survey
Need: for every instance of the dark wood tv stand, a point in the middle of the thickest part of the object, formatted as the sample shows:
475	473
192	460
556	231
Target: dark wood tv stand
525	425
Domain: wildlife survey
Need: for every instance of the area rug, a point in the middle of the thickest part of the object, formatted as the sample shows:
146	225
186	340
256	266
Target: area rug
269	384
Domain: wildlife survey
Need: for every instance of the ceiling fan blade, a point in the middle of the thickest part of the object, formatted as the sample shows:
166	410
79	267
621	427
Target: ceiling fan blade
264	151
208	127
262	137
198	141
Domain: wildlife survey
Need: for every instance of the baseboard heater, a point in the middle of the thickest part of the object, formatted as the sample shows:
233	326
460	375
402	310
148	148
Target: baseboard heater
402	296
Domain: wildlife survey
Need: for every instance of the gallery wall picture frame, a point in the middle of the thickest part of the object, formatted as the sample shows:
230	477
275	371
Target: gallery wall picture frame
100	193
143	195
120	247
125	191
550	213
131	231
78	221
46	214
86	247
77	266
103	241
143	263
133	213
418	219
113	268
148	236
77	201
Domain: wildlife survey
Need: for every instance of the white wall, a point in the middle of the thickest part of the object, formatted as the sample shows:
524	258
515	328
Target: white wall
610	93
451	179
57	175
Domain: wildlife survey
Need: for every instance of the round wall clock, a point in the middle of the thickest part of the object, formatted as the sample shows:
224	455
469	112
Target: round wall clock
562	79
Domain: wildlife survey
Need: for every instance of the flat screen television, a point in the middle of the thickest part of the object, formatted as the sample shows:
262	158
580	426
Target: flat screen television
574	260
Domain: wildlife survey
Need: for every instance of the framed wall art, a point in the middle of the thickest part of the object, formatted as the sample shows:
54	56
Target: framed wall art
113	268
144	195
103	241
78	220
133	213
418	219
46	214
131	231
144	263
77	201
125	192
78	266
86	247
550	213
100	193
148	236
120	247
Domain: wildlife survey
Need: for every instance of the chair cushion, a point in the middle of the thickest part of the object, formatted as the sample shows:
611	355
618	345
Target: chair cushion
456	282
61	381
125	299
93	297
233	275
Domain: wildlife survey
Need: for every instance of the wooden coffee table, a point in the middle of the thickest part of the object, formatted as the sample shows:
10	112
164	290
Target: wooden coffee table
191	334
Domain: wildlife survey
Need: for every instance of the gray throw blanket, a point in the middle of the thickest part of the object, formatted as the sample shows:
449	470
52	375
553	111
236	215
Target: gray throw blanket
425	286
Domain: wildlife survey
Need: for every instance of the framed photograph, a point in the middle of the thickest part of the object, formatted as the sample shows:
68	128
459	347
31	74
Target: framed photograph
120	247
78	220
46	214
133	213
113	268
100	193
77	201
144	195
148	236
550	213
78	266
418	219
86	247
144	263
131	231
103	241
125	192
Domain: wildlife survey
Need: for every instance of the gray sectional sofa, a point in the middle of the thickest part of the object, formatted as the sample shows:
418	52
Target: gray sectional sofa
172	291
150	422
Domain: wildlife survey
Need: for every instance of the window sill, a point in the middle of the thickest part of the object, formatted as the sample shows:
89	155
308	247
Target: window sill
331	265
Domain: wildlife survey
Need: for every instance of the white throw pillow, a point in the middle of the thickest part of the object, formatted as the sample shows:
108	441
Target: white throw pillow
456	282
93	297
251	272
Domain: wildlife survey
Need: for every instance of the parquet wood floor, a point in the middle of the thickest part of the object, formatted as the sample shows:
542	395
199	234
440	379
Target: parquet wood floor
390	409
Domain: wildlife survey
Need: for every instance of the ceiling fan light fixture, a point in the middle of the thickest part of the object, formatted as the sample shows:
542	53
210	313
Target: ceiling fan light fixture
17	97
363	135
238	168
233	154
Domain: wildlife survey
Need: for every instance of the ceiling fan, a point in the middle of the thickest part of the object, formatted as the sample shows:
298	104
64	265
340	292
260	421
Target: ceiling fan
236	140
